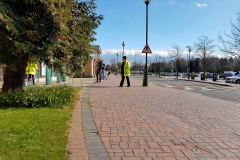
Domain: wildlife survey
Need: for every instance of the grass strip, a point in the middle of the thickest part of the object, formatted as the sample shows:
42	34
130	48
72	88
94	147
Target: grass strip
35	133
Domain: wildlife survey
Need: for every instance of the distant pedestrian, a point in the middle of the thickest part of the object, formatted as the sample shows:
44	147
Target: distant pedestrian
125	71
236	73
31	70
103	71
98	70
106	71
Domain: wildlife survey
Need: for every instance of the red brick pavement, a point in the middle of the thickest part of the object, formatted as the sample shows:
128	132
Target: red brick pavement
76	144
158	123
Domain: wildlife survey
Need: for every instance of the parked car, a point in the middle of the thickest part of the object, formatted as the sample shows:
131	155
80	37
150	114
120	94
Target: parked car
224	76
162	74
209	75
175	74
149	73
186	74
233	79
172	73
196	75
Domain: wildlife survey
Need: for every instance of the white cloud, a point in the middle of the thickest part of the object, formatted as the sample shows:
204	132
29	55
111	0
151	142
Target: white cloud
202	5
175	3
133	52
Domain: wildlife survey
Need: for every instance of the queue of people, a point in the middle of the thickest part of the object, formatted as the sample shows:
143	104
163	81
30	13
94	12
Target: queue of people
102	71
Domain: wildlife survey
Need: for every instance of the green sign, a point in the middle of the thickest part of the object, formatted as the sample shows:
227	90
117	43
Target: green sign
48	75
215	68
63	78
59	78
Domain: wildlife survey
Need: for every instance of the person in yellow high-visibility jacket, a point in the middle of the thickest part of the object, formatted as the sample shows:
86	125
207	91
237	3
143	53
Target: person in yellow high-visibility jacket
31	71
125	71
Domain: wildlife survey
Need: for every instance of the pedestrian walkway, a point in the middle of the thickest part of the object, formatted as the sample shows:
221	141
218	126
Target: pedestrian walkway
159	123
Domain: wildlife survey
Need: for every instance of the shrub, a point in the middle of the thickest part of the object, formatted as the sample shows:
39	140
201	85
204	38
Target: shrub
37	96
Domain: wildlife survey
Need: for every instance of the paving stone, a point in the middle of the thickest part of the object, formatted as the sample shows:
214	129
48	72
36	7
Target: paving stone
159	123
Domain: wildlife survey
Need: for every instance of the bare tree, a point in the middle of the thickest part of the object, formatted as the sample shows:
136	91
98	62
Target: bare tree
204	49
113	62
175	53
231	46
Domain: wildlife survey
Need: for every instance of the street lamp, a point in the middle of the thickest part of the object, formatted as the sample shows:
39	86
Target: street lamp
159	66
189	50
117	64
123	44
135	64
145	79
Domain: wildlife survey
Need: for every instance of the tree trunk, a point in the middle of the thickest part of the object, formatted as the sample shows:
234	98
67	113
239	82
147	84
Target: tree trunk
14	80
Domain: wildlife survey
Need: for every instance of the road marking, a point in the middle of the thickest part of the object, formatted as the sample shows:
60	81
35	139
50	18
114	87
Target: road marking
205	89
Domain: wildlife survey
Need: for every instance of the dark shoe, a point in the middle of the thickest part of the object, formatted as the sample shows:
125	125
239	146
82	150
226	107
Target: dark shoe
99	82
96	82
119	86
128	86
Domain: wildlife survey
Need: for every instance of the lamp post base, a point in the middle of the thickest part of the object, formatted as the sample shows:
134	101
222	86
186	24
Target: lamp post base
145	78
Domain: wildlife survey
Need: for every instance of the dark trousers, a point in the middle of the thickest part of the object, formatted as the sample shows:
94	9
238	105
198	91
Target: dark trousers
33	78
99	75
122	81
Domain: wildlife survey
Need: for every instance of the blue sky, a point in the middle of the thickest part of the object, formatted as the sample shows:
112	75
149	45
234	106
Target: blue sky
170	21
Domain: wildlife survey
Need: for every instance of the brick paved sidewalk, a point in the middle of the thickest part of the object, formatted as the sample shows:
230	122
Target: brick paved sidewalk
157	123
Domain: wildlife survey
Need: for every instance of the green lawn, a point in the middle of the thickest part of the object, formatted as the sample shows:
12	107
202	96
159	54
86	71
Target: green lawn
28	133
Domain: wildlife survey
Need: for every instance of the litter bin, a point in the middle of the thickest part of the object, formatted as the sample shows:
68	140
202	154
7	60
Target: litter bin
202	77
192	77
214	77
63	78
59	79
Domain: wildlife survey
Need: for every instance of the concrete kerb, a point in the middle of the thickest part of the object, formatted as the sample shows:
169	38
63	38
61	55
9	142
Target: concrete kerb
76	146
84	141
94	144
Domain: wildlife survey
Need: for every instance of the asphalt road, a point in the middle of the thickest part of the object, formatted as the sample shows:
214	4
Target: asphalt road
228	93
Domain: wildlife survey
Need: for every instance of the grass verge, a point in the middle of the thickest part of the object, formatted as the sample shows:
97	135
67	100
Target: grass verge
35	133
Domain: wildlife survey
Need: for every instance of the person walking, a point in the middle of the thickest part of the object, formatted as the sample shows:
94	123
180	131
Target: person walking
125	71
103	71
98	71
106	71
31	71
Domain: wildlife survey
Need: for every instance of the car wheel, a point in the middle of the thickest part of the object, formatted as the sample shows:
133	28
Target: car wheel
238	81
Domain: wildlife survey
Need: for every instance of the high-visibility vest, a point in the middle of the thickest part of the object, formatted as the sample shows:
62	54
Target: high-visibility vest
126	69
31	68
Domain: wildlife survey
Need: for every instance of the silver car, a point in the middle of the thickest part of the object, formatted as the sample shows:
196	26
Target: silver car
234	79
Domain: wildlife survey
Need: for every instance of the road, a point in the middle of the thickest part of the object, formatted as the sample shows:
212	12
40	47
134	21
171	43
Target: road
228	93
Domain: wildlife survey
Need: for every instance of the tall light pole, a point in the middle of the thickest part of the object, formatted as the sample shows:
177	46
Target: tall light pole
117	64
145	79
135	63
123	44
159	66
189	50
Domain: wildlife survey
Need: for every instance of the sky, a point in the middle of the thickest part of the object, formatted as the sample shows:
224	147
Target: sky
169	22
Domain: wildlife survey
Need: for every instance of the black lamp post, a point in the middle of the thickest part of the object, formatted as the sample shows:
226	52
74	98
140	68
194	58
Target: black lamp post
135	64
145	79
123	44
189	50
117	64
